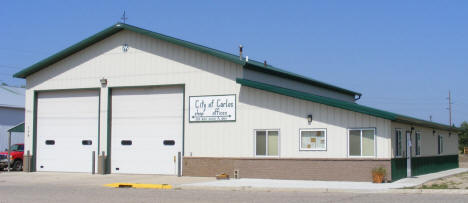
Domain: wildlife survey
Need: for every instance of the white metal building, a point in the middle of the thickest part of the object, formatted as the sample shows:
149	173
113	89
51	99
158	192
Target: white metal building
139	98
11	114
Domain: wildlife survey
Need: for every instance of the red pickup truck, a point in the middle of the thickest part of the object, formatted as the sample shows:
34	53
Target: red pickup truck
16	158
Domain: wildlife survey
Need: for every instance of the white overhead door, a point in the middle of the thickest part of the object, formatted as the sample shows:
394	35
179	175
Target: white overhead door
67	130
146	129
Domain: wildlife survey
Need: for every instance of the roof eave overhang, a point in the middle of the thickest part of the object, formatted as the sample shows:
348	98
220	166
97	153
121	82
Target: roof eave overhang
423	123
351	106
271	70
220	54
17	128
345	105
68	51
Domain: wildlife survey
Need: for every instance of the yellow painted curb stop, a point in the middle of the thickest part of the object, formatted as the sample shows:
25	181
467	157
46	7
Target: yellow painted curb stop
139	185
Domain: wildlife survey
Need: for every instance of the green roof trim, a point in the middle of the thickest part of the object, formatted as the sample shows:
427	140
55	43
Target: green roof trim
343	105
318	99
257	66
19	128
67	52
416	121
251	64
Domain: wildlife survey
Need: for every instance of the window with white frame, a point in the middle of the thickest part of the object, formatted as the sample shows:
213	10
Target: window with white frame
440	144
398	147
313	139
361	142
266	142
418	143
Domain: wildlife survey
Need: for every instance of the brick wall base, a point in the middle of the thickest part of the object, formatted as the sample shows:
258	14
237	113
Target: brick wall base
295	169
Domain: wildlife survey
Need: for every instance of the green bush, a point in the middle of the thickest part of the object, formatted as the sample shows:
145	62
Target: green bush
380	171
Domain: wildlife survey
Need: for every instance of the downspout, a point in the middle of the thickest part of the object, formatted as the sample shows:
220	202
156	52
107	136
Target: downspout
409	152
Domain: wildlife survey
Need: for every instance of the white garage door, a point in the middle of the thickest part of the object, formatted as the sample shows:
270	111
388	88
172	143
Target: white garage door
67	130
146	130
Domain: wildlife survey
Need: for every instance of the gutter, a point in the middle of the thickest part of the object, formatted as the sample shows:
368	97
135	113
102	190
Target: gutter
358	97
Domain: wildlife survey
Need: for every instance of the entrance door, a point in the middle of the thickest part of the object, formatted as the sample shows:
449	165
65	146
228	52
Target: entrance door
146	129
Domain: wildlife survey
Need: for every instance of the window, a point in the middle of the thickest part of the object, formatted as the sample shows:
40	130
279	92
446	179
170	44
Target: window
266	142
313	139
168	142
398	147
50	142
18	148
86	142
361	142
126	142
418	143
440	144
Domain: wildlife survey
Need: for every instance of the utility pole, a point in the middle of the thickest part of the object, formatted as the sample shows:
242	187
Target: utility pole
450	108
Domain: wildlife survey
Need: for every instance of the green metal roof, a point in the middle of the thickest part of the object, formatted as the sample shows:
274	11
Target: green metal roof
19	128
351	106
251	64
255	65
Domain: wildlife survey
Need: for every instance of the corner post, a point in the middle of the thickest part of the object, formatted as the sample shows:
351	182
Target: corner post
408	154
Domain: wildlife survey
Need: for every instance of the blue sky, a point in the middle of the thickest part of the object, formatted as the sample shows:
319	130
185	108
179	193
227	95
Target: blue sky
404	56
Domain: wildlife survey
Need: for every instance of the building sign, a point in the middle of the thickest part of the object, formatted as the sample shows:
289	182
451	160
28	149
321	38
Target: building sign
212	108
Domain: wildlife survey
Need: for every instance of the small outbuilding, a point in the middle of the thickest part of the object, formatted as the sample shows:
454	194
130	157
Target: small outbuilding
145	103
11	114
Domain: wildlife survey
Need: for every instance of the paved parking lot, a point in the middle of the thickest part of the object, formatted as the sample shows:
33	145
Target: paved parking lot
53	193
84	179
78	187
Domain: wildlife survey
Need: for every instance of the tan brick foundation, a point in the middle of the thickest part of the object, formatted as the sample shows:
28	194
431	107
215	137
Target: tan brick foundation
280	168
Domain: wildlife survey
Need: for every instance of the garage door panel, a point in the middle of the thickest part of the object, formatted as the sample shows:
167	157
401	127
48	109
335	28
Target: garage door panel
147	117
67	118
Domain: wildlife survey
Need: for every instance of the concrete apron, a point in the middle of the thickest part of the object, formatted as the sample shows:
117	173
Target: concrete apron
86	179
210	183
329	186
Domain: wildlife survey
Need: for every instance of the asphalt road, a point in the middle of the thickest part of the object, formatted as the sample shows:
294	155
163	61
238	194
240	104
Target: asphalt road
79	187
85	193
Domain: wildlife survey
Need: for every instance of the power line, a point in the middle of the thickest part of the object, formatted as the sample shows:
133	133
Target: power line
450	108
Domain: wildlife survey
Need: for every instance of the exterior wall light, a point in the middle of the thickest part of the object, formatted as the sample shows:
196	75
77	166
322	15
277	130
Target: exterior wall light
412	128
309	118
433	132
103	82
125	47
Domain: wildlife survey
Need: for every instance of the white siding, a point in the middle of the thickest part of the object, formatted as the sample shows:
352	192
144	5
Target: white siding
147	62
263	110
9	118
155	62
428	140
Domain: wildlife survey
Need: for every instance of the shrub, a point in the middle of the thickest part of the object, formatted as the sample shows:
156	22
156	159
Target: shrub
380	171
